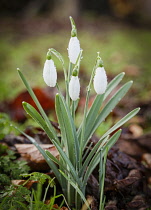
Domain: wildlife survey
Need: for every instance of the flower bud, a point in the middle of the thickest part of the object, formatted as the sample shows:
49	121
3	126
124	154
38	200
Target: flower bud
100	80
73	49
74	88
50	73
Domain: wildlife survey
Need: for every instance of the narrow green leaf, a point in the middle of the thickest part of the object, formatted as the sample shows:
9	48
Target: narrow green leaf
91	154
62	167
95	160
112	141
93	112
76	188
52	157
102	178
68	129
108	108
37	104
68	163
37	117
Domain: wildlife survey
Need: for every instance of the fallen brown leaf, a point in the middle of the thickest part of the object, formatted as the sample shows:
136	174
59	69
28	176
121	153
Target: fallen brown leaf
34	158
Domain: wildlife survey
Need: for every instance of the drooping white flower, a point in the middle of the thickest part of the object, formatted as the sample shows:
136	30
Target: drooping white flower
74	88
73	49
50	73
100	80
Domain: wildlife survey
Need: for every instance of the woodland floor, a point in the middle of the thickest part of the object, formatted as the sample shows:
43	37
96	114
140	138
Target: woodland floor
123	48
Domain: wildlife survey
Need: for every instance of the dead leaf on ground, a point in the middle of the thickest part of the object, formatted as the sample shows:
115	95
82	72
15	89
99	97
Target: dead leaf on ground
111	205
34	158
46	99
138	202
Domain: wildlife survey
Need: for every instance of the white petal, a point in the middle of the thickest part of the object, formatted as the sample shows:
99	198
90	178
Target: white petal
50	73
100	80
73	49
74	88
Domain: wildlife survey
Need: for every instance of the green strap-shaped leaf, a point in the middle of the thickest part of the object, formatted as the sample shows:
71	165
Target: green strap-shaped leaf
69	165
37	117
52	157
68	129
107	109
62	167
91	154
95	160
37	104
76	188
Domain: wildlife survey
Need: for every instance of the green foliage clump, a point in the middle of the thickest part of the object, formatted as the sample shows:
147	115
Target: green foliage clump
4	125
14	197
10	168
18	197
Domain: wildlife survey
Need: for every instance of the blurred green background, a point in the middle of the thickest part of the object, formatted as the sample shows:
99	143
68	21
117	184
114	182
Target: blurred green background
120	30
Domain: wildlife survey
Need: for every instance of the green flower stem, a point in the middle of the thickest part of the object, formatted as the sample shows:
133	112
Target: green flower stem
84	117
73	110
103	159
67	84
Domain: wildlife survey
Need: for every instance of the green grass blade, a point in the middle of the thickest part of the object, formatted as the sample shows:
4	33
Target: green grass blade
37	117
37	104
108	108
68	129
95	160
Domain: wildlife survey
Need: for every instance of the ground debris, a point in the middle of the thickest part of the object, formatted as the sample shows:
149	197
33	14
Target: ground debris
111	205
34	158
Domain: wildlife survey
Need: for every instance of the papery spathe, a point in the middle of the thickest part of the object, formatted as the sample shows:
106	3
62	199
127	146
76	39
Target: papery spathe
50	73
73	49
74	88
100	80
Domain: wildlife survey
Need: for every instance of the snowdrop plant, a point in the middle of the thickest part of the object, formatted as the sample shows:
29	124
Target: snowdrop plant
78	158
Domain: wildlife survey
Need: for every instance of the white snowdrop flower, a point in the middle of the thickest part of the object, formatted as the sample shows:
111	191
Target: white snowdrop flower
73	49
74	88
100	80
50	73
